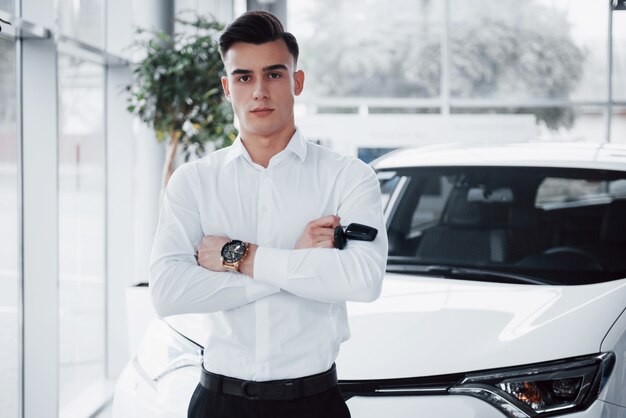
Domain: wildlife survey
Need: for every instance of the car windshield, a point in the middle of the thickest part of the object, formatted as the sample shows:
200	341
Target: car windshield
554	225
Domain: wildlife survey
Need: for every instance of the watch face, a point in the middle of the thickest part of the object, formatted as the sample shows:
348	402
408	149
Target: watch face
233	251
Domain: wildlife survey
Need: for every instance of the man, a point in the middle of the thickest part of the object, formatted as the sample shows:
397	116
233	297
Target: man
259	217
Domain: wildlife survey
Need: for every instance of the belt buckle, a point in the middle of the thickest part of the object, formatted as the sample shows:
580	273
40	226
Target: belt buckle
250	390
290	390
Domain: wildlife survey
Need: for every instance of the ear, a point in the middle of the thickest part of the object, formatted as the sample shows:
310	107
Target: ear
225	87
298	78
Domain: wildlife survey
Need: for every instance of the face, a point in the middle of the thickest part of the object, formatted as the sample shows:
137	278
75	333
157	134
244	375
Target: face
261	84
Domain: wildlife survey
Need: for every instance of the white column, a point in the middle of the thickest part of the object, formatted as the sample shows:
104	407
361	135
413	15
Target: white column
148	158
40	235
150	14
119	224
148	165
149	155
41	232
445	61
609	69
120	159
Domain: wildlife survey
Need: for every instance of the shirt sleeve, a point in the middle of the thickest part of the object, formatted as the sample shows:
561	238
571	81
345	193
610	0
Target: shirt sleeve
331	275
178	285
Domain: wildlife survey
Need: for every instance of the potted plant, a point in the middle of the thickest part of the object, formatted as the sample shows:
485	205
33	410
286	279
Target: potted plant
176	90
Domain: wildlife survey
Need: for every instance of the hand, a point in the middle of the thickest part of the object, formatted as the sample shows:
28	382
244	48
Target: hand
210	252
319	233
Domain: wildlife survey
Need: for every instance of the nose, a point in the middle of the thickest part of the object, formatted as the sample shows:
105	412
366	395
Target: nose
260	90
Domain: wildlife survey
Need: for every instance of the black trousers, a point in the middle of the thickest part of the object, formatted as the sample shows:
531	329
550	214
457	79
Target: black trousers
209	404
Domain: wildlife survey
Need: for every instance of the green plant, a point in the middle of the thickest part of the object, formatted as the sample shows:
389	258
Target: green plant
176	90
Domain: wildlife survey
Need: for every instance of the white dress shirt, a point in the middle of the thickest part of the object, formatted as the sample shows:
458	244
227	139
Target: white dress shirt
290	319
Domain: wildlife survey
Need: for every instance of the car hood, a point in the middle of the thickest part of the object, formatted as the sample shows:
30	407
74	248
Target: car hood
423	326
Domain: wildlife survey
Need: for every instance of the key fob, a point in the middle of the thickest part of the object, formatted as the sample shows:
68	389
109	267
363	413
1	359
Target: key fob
354	231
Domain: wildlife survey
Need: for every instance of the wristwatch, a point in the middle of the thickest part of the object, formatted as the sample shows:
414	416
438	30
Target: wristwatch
233	253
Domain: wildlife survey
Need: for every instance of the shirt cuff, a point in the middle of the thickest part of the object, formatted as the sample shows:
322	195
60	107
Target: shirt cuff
271	265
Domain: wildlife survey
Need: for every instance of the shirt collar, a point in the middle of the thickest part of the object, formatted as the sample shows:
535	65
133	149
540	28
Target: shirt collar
296	145
236	149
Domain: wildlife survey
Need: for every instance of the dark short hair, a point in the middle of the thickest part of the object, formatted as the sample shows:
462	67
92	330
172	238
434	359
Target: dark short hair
257	27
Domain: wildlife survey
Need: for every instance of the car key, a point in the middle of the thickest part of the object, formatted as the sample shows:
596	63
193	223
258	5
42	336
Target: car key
354	231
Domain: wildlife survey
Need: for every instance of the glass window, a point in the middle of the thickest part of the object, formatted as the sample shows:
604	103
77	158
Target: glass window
618	125
368	49
554	49
619	55
9	237
578	123
81	227
7	5
82	20
186	6
221	10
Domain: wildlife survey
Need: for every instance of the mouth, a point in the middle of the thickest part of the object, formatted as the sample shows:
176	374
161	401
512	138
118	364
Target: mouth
261	111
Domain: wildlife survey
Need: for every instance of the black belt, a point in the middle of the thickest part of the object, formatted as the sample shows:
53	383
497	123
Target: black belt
288	389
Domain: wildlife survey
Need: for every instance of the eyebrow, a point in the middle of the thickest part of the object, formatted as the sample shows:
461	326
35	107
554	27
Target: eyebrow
269	68
275	67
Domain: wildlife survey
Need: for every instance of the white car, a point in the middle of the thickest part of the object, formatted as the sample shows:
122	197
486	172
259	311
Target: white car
505	294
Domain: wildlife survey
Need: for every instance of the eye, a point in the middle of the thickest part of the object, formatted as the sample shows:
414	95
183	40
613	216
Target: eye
274	76
244	78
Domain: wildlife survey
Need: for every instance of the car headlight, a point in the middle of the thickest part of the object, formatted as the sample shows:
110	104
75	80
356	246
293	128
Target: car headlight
163	350
535	391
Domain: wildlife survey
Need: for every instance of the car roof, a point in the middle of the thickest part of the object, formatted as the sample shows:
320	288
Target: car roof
594	155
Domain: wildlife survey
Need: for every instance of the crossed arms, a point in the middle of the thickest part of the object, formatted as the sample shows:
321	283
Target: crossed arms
317	234
313	269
